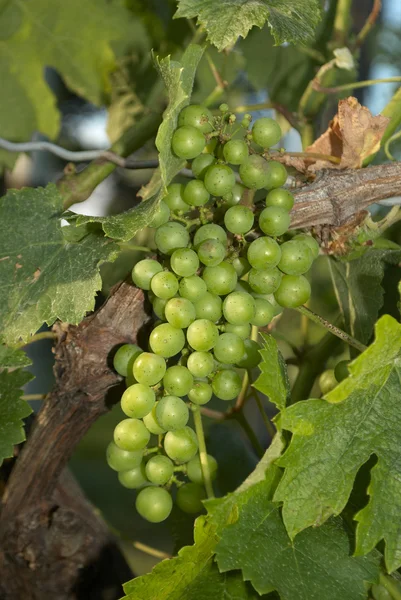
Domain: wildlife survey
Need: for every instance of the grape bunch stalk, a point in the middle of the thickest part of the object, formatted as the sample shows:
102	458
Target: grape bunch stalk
226	266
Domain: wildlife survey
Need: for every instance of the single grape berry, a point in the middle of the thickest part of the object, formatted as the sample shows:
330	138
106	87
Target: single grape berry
195	193
178	381
235	196
159	308
264	281
251	357
239	219
122	460
124	358
229	348
201	393
202	335
309	241
221	279
200	364
133	478
184	262
149	369
264	252
341	370
171	236
219	180
327	381
172	413
266	132
239	308
161	215
210	232
209	306
152	424
159	469
196	116
164	285
274	220
264	312
180	312
241	266
296	258
235	152
281	198
294	290
192	288
194	469
226	384
131	434
154	504
254	172
187	142
211	252
175	199
189	498
200	164
276	175
144	271
166	340
181	445
243	331
138	400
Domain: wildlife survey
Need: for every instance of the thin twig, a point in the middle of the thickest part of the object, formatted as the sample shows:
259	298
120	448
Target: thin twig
203	452
242	395
213	414
151	551
29	397
390	585
370	21
44	335
354	85
348	339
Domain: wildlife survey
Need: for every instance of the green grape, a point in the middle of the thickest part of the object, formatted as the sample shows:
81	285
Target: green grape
274	220
200	165
152	424
175	199
243	331
166	340
164	285
195	193
241	266
266	132
172	413
221	279
144	271
276	175
264	281
159	308
184	262
171	236
235	152
133	478
202	335
229	348
181	445
200	364
294	290
149	369
211	252
138	400
224	108
159	469
327	381
264	253
246	121
187	142
235	196
379	592
341	370
210	232
210	146
196	116
254	172
192	288
209	306
264	312
194	469
124	358
161	216
309	241
122	460
201	393
219	180
243	286
239	219
178	381
281	198
154	504
226	384
180	312
251	357
296	258
131	434
239	308
189	498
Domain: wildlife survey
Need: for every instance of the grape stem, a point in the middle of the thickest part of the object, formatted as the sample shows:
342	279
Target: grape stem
29	397
242	395
202	451
44	335
151	551
332	328
389	584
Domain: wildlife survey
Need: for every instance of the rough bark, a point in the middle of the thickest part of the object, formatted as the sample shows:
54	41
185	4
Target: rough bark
52	544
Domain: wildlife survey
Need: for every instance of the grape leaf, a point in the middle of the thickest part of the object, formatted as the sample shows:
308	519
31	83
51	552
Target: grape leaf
76	38
225	21
12	358
357	284
273	380
332	438
44	277
12	410
178	78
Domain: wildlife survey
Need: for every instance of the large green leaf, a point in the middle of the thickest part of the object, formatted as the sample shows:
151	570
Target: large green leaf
273	380
178	78
226	20
12	410
357	284
76	38
332	438
44	277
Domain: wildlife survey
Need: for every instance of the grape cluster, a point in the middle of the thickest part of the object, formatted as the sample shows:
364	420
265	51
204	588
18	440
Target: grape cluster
223	267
